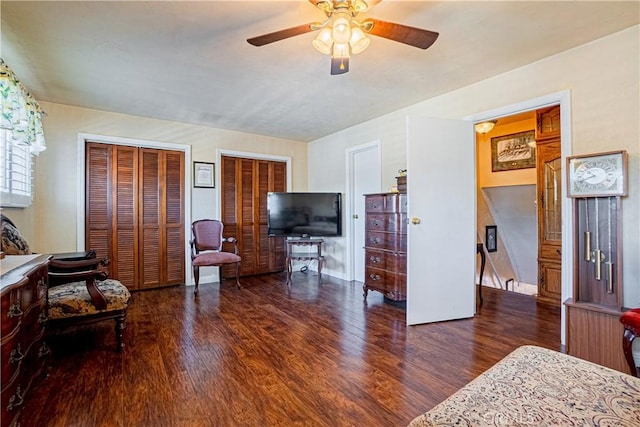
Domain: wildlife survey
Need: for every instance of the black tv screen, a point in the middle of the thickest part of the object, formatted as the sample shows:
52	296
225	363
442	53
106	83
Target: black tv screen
304	214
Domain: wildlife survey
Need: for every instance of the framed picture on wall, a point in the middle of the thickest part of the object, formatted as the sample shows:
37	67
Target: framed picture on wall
491	238
204	175
515	151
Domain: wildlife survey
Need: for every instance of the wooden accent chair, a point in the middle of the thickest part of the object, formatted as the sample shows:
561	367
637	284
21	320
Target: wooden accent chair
631	321
206	249
80	292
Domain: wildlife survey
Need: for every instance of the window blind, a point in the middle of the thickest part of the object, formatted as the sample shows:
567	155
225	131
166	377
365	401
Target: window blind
16	166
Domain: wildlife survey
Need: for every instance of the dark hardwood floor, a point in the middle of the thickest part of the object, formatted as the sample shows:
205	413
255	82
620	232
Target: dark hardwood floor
269	355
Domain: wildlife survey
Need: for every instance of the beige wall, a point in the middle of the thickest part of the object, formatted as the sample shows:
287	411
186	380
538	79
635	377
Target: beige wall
603	80
51	223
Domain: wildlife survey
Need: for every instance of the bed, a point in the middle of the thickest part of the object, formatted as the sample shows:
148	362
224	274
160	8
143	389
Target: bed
533	386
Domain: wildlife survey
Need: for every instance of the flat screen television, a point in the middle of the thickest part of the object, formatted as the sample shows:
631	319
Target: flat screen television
304	214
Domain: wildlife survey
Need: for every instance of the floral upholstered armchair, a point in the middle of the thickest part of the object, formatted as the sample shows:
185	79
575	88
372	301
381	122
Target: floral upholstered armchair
80	292
79	289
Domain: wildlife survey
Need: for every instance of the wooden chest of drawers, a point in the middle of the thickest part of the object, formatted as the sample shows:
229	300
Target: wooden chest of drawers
386	245
23	349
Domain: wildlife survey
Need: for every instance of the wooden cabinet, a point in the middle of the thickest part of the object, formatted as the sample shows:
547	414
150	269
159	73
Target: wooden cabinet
24	351
386	245
245	184
549	192
548	123
135	213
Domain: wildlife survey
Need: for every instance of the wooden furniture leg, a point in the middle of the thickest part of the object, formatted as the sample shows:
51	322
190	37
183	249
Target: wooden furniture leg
196	277
120	326
480	250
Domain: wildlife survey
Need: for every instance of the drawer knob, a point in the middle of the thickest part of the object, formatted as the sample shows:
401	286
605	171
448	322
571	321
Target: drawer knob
374	259
42	318
16	355
374	276
14	310
376	240
16	400
375	223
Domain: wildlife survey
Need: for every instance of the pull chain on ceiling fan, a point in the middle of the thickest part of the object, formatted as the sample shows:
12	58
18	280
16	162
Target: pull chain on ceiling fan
342	35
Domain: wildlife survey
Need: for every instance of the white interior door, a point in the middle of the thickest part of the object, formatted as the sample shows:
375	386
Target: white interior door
365	176
442	198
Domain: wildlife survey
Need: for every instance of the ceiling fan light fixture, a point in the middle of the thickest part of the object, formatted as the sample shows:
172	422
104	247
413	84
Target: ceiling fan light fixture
323	41
360	6
359	41
340	50
341	31
486	126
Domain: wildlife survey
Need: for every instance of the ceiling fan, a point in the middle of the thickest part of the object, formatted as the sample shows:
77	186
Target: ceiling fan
342	35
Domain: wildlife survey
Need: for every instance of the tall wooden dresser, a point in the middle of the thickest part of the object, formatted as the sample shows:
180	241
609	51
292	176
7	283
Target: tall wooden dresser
386	245
24	352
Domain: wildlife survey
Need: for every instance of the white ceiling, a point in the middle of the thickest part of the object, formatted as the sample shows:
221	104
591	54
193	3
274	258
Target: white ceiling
190	62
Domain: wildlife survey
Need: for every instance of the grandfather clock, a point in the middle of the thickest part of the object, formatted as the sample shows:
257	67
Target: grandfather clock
597	182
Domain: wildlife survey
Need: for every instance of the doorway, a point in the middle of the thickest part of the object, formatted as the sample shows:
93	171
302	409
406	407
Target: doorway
563	99
506	199
363	171
519	193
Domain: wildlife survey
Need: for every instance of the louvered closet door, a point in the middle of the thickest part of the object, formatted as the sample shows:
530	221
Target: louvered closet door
272	176
161	218
135	213
111	228
98	200
244	212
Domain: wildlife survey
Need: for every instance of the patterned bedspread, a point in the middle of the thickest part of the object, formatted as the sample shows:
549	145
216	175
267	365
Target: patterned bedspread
534	386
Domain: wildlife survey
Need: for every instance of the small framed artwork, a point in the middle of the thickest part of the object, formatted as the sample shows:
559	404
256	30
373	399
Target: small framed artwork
491	237
204	175
515	151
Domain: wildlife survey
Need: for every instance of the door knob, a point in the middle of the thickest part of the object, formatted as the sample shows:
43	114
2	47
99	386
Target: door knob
415	220
355	216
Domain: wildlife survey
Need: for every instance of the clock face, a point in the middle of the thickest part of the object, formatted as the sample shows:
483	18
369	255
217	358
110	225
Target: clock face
597	175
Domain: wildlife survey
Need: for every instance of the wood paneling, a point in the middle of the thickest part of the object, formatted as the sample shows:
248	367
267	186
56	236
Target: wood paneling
244	212
135	213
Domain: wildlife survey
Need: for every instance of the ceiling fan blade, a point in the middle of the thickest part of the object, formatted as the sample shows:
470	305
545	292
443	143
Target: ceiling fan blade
281	35
339	65
402	33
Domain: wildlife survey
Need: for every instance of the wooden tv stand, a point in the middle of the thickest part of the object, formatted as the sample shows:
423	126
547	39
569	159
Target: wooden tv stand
292	255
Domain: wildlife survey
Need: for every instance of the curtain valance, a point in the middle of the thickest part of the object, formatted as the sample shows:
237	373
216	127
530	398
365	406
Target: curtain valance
21	114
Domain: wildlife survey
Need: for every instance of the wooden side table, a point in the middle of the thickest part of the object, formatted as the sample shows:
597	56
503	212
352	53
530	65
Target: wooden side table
292	255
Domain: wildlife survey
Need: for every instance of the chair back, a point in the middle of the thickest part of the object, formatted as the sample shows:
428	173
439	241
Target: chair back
207	234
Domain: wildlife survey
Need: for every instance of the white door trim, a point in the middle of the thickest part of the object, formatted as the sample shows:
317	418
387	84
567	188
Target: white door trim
132	142
350	200
564	100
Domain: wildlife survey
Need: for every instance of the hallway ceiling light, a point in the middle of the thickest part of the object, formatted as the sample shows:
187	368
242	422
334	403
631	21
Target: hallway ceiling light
486	126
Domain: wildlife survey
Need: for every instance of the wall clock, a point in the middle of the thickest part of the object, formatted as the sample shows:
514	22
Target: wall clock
597	175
